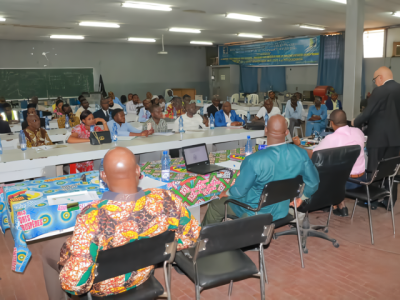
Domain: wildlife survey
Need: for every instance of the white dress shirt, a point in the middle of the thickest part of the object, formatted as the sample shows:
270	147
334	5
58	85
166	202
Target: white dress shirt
228	119
189	123
131	108
274	111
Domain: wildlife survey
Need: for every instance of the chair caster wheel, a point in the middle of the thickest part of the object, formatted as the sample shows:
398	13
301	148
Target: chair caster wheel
336	244
305	250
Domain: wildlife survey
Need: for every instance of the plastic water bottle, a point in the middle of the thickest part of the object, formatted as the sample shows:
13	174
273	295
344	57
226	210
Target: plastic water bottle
47	123
67	122
165	161
266	118
206	98
248	117
115	133
102	185
97	107
227	98
92	128
1	148
212	125
181	124
174	113
40	114
245	100
124	108
248	149
22	140
21	117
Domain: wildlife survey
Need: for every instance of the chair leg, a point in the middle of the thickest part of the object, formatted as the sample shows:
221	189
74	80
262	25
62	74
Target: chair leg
391	205
265	269
354	209
230	288
298	233
370	222
167	279
197	292
262	280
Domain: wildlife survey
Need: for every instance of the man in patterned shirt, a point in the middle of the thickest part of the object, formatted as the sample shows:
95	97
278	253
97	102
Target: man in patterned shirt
158	124
73	120
34	135
124	214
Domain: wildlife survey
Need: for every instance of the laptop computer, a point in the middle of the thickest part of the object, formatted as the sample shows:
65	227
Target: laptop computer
196	160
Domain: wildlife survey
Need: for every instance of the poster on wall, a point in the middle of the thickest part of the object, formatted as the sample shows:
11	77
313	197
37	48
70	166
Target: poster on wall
298	51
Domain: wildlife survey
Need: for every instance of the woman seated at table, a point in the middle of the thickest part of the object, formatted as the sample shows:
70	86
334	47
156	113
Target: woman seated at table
58	109
81	134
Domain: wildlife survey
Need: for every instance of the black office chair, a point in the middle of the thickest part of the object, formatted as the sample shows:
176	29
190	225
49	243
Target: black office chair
275	192
134	256
334	166
217	259
387	168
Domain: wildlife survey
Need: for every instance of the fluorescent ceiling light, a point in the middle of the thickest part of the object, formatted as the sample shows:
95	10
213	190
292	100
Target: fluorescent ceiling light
141	40
176	29
340	1
312	27
201	43
71	37
244	17
396	14
2	19
145	5
251	35
99	24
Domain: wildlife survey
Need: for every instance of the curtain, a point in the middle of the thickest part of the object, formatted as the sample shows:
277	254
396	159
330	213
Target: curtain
331	62
273	79
248	80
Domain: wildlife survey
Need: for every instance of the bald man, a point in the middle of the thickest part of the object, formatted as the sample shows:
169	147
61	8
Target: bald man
227	117
279	161
36	136
123	215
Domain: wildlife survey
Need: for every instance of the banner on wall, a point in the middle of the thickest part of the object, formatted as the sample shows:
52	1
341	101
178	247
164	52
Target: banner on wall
298	51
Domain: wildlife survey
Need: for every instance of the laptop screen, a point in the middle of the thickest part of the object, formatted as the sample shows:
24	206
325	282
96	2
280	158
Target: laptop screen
195	155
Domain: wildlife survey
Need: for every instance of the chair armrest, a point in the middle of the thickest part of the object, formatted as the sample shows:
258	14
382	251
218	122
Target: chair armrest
248	207
353	180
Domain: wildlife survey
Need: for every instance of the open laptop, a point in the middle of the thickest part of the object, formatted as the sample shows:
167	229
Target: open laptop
196	160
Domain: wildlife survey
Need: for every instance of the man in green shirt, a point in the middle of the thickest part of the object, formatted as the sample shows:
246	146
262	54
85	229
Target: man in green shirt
158	124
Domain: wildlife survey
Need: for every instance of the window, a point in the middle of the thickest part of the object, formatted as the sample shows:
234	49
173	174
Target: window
373	43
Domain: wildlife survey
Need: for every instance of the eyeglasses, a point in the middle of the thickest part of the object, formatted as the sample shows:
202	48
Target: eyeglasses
373	80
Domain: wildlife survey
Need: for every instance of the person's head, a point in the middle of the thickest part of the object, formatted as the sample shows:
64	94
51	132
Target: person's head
161	101
33	122
87	118
85	103
334	96
382	75
268	104
31	109
118	115
293	100
130	97
271	95
7	108
123	99
105	103
121	173
190	108
111	94
154	100
149	95
226	107
66	109
169	92
147	104
2	100
338	119
80	98
186	98
176	102
110	101
317	101
276	130
299	96
34	100
156	112
59	104
216	100
135	99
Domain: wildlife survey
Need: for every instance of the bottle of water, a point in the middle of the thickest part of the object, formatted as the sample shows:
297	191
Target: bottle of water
1	148
22	140
206	98
97	107
47	123
266	118
248	149
67	122
92	128
181	124
212	125
115	133
102	185
21	117
248	117
174	113
124	108
40	114
227	98
245	100
165	167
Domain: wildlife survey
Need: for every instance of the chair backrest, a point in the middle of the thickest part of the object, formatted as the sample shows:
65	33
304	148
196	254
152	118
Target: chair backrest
235	98
134	256
278	191
232	235
253	98
241	113
387	167
334	166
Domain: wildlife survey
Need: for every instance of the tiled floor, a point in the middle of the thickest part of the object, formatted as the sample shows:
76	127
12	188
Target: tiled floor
355	270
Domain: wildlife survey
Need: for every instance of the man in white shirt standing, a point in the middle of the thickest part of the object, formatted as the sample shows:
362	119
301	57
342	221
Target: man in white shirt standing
191	120
268	107
133	104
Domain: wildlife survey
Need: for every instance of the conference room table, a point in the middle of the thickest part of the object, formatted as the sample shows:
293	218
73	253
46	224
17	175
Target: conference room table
19	165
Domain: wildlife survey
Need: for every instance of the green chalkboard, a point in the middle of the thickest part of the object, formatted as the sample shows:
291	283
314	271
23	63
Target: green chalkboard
45	83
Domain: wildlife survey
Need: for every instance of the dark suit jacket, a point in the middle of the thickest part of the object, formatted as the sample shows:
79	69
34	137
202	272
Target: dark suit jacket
100	114
329	104
4	127
383	116
211	110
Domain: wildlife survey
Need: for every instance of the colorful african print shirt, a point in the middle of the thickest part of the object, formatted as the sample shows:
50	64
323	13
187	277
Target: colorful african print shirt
37	138
116	220
170	112
73	121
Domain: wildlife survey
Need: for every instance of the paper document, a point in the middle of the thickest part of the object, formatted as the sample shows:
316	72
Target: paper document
230	164
149	183
68	198
234	127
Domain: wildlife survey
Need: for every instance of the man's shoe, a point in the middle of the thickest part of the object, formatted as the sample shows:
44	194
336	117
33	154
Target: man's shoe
344	212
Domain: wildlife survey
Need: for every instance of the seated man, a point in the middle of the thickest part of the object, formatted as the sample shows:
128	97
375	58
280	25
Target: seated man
73	120
9	115
267	108
191	120
176	103
123	128
133	104
30	110
157	123
112	102
84	106
333	103
343	136
277	103
4	126
186	99
279	161
123	214
35	136
293	112
144	113
227	117
104	112
216	106
316	118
